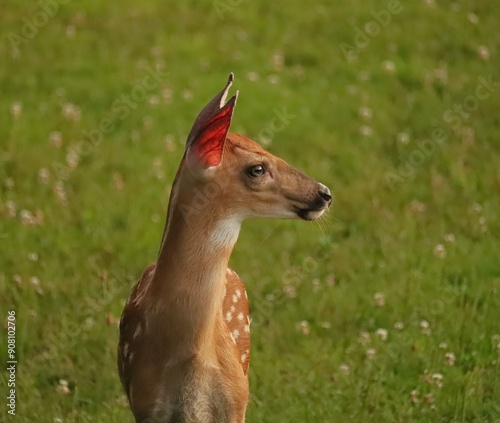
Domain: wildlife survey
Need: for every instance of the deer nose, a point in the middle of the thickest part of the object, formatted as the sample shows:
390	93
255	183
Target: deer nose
325	193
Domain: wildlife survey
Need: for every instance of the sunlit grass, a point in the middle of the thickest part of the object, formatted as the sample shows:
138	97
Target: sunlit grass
385	311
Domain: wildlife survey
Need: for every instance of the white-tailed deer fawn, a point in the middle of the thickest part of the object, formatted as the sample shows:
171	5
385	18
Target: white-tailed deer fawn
184	334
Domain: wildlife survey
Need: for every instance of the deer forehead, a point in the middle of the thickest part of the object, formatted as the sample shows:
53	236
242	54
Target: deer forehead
238	145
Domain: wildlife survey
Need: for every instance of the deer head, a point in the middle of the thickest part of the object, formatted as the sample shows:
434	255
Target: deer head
235	176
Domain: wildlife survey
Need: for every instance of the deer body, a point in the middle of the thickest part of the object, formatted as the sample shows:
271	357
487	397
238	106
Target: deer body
184	335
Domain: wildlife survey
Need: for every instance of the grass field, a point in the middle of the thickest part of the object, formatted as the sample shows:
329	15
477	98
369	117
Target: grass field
386	311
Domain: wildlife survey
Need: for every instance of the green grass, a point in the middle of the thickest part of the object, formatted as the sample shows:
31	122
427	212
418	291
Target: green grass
97	224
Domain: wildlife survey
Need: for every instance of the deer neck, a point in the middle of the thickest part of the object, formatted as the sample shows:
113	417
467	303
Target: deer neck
189	282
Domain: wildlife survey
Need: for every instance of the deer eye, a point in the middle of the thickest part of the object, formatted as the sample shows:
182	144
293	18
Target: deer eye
255	171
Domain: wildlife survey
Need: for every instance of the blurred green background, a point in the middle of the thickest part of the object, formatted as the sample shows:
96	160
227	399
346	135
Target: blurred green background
385	311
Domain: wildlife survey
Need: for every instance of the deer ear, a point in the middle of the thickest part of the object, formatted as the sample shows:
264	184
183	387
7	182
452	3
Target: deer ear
205	143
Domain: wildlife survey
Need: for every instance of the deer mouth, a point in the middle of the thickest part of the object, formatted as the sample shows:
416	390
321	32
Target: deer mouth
311	214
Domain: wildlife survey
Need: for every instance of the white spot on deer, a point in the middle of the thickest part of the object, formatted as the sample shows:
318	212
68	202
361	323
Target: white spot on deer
232	337
240	316
238	293
229	316
232	309
235	298
137	331
243	358
246	329
246	296
235	333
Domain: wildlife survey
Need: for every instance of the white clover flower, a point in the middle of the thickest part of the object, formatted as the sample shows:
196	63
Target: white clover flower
437	378
425	327
43	175
473	18
63	387
345	368
449	238
365	131
364	338
403	138
27	218
370	353
365	112
16	109
304	327
382	334
379	298
56	139
414	396
439	251
11	208
483	52
389	66
33	256
450	358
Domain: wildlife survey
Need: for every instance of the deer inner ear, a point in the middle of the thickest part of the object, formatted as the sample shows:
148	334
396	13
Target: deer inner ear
207	145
